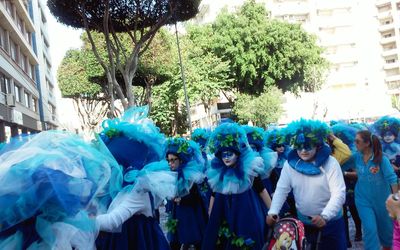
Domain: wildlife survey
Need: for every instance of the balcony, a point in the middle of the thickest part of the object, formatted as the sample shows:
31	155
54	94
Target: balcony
331	5
386	27
384	14
386	40
392	65
394	78
390	52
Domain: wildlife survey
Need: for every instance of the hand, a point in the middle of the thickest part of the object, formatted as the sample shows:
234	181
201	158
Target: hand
318	221
177	200
393	207
331	137
272	219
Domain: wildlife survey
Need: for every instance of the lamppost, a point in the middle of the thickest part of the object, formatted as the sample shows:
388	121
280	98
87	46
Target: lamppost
184	81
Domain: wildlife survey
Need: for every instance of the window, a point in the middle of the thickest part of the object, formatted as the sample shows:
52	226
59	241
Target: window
23	63
14	52
17	90
33	75
26	99
5	84
20	24
2	38
10	9
34	104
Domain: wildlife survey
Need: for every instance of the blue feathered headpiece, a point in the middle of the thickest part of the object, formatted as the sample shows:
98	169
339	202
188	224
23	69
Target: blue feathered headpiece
306	133
274	137
345	132
201	135
186	150
133	140
255	136
387	124
228	136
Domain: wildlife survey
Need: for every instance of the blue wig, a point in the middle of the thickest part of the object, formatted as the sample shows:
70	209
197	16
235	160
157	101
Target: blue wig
274	137
346	133
255	136
306	133
201	135
133	140
387	124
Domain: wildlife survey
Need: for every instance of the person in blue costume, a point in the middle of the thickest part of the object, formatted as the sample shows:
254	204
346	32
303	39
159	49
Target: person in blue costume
347	135
200	136
275	140
187	213
49	184
388	129
375	181
130	221
317	183
236	219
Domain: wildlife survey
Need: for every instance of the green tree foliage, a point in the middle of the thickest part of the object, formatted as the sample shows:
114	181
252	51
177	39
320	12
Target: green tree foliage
262	110
262	52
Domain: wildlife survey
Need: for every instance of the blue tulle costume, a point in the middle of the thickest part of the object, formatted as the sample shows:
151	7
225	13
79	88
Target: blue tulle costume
137	145
236	214
49	185
189	211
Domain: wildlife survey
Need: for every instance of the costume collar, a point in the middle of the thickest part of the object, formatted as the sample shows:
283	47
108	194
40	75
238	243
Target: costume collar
309	168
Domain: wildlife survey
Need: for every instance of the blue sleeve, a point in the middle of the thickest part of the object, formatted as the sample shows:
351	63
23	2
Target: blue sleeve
388	171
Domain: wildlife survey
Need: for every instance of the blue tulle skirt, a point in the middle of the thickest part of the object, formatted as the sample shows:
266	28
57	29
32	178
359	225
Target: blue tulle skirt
138	233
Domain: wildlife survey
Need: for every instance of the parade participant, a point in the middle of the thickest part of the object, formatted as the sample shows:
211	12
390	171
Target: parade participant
346	134
388	129
48	188
375	180
317	183
200	136
236	219
187	212
393	208
137	145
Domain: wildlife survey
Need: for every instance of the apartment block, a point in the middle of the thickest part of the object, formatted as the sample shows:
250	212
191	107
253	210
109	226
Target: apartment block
27	104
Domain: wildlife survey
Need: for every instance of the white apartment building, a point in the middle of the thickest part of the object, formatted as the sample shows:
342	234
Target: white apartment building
349	31
26	82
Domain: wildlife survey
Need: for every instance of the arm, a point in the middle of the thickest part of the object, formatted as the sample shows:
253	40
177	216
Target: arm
125	205
342	152
210	206
388	174
265	198
337	189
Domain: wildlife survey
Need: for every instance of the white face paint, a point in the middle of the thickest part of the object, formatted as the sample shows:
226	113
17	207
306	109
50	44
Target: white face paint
389	138
229	158
307	155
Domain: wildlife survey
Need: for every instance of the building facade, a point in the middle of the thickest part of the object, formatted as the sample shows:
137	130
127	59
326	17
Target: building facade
27	104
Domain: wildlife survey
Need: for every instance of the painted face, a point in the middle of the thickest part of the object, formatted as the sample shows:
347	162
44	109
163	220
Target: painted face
361	145
229	158
173	161
280	148
388	137
307	154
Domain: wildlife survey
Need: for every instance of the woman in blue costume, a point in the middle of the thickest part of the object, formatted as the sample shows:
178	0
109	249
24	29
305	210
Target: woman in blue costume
347	134
375	181
49	184
388	129
274	139
200	136
317	183
187	212
130	221
236	219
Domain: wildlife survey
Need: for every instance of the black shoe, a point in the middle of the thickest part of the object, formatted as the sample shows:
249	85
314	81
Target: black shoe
358	237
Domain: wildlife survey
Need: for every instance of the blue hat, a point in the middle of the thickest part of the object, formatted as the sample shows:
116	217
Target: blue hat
201	135
274	137
255	136
345	132
186	150
386	125
228	136
133	140
306	133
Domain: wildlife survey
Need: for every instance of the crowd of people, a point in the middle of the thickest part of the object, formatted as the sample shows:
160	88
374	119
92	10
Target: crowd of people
226	188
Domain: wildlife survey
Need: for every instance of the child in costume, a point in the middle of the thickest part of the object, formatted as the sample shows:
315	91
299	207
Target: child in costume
346	134
375	181
393	208
130	221
236	219
317	183
187	212
200	136
49	184
388	129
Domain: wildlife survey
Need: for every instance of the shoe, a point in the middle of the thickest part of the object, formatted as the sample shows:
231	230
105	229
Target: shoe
358	237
